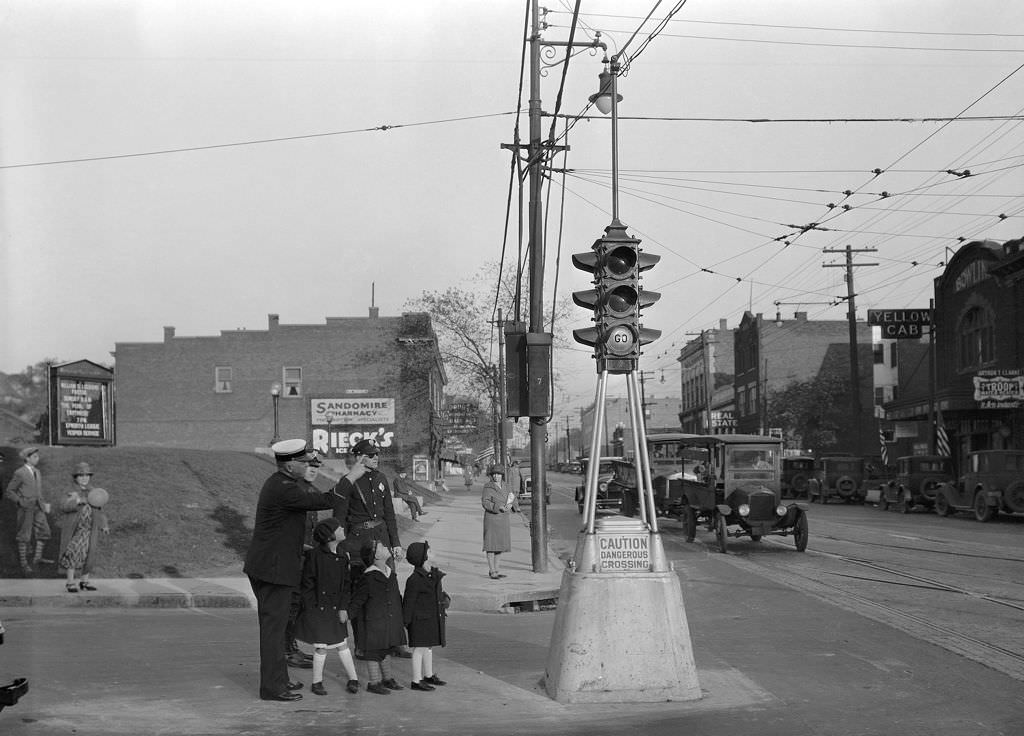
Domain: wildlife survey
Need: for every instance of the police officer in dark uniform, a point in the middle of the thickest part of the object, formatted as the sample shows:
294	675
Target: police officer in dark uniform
362	503
274	560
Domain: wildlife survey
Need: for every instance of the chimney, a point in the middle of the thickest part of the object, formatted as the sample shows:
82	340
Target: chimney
723	325
168	333
374	311
273	320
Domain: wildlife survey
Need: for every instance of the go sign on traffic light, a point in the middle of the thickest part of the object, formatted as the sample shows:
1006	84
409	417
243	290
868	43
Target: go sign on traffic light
617	298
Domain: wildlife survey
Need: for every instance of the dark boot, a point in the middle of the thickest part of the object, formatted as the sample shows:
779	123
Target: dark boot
26	568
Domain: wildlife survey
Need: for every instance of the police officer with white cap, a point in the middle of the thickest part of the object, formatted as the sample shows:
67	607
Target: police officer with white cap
274	560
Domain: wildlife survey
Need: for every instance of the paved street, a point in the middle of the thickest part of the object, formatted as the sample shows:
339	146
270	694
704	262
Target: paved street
772	658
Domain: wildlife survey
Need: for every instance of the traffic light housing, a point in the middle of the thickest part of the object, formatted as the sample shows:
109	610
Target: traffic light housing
616	261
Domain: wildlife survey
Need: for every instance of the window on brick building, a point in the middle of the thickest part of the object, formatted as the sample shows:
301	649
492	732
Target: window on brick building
879	395
894	355
292	382
879	351
222	379
977	339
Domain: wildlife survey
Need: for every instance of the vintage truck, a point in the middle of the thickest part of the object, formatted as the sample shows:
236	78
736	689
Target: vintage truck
917	480
992	481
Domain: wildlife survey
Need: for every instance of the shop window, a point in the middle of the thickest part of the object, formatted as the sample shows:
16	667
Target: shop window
222	376
292	383
976	340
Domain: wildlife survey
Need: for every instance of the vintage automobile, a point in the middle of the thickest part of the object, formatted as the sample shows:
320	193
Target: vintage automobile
605	472
734	491
797	472
837	476
992	481
526	491
917	479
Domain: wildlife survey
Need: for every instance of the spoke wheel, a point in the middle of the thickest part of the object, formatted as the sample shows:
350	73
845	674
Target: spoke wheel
982	511
720	534
800	533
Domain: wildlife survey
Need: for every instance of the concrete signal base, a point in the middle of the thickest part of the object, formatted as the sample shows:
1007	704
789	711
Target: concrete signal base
621	637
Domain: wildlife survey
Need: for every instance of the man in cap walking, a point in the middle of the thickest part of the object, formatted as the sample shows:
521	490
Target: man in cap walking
274	560
26	490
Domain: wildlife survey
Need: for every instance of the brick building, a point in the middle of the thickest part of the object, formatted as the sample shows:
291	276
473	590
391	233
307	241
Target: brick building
772	354
707	365
977	393
336	383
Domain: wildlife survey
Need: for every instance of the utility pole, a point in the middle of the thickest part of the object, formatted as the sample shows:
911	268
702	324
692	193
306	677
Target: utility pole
502	440
855	403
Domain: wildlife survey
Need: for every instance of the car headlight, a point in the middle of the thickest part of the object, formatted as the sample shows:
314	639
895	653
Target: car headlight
781	510
603	486
744	509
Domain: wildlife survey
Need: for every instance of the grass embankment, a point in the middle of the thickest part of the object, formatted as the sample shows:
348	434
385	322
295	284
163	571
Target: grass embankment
186	513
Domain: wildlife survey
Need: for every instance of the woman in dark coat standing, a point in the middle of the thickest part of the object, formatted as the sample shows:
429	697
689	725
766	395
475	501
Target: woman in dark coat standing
82	520
424	609
376	613
498	504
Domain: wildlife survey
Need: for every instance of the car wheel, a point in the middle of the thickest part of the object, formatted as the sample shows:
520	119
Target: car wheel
1013	497
982	511
720	534
689	523
799	485
942	507
800	533
907	504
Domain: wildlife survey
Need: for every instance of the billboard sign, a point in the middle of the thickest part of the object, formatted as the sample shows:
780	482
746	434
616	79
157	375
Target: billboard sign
900	324
81	404
999	389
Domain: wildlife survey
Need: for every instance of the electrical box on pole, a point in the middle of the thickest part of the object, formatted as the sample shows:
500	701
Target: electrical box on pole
515	370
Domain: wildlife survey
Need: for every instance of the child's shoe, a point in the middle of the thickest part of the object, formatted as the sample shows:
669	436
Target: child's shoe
391	684
317	688
377	687
352	686
422	685
434	680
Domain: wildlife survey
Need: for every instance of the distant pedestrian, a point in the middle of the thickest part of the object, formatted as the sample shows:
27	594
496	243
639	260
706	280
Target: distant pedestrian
26	490
403	490
375	609
498	505
424	609
467	477
514	479
323	616
274	560
82	521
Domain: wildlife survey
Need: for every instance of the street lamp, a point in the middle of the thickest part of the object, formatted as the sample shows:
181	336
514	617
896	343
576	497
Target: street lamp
607	99
275	396
329	416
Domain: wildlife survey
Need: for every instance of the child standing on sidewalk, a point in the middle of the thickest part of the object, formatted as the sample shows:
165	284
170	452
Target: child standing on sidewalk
424	609
325	592
376	612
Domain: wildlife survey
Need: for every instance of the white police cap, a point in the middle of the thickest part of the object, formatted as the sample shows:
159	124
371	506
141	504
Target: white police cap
286	450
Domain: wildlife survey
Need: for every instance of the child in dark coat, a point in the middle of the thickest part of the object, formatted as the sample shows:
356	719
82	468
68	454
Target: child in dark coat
424	609
376	613
325	592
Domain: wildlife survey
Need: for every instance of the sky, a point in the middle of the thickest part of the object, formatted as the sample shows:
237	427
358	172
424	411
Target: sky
204	163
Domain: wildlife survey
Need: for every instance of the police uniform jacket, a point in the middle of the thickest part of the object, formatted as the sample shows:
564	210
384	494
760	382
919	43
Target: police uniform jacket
366	511
275	553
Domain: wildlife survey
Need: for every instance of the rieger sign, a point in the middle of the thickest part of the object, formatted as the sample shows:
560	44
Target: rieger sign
999	389
898	324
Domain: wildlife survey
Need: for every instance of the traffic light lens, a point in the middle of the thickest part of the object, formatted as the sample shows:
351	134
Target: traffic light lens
619	340
621	301
620	261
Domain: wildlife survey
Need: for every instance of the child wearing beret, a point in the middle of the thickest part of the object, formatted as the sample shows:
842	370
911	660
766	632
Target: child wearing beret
424	609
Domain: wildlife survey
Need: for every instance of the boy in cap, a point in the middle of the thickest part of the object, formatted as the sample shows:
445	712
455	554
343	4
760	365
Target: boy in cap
26	490
274	560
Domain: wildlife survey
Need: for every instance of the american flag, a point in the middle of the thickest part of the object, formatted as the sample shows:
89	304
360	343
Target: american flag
941	438
885	449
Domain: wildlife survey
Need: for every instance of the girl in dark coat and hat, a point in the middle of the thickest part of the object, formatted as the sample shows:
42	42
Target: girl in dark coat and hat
324	592
424	608
376	612
82	520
